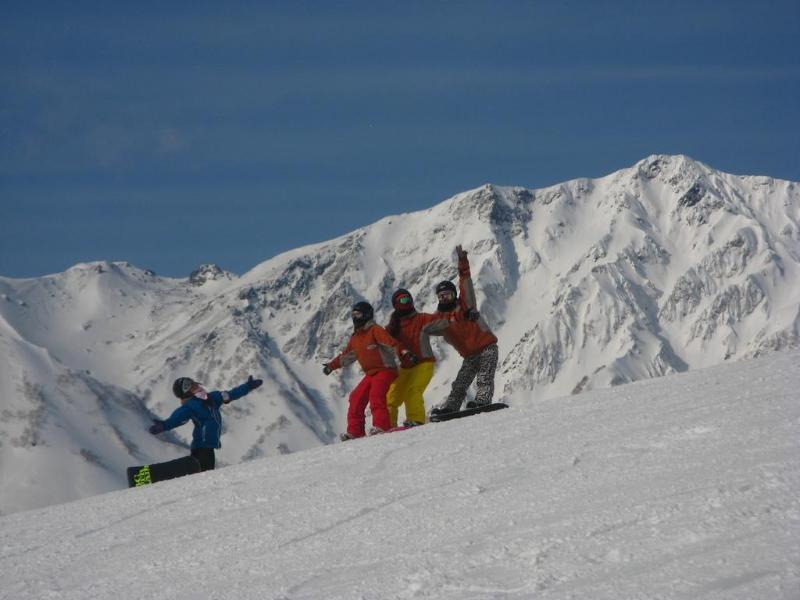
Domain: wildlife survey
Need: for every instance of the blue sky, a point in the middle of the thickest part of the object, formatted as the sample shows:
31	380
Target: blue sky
229	132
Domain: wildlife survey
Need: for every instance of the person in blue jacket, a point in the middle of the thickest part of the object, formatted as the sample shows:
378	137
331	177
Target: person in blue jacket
202	408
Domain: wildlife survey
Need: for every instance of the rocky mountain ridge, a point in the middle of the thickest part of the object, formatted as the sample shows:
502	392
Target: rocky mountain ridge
659	268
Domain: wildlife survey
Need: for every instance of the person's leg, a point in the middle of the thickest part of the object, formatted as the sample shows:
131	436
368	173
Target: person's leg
359	398
206	458
397	393
381	382
420	377
465	377
485	378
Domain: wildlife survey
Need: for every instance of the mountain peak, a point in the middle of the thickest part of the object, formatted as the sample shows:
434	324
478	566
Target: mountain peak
671	167
209	272
97	266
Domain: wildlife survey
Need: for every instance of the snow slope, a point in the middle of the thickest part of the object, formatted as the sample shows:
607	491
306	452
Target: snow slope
686	486
666	266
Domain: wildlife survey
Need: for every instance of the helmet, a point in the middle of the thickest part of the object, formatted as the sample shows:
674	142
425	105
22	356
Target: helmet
402	301
447	294
182	387
362	313
446	285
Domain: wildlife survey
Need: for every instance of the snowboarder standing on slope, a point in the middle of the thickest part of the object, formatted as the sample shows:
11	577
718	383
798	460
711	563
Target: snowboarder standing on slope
469	334
375	351
202	408
412	329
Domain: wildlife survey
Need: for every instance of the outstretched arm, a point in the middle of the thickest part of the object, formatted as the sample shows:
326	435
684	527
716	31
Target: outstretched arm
239	391
178	417
434	324
384	338
346	357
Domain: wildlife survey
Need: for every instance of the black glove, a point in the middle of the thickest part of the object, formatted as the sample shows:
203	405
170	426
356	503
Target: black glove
157	427
472	314
254	383
326	369
408	358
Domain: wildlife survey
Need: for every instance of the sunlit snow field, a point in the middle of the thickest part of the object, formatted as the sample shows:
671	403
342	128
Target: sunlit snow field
681	487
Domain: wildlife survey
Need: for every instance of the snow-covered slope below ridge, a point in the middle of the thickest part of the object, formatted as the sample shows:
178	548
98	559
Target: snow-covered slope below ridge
686	486
665	266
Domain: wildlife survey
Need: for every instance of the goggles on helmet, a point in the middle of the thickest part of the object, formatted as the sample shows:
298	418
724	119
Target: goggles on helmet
446	296
404	299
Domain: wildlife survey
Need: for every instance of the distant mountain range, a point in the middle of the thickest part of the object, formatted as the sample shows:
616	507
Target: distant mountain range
663	267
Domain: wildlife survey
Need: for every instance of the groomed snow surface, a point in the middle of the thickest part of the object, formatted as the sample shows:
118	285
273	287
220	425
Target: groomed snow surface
681	487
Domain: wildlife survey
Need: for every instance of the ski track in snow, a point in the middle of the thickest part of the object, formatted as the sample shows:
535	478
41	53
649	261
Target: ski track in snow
682	487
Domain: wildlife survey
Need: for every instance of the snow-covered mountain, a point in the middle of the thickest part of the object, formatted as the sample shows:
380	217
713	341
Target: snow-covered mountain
686	486
666	266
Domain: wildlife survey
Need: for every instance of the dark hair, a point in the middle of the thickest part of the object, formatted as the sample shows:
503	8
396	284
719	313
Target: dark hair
394	325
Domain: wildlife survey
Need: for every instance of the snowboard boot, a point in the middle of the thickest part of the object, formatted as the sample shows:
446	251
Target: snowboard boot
474	404
345	437
376	431
443	410
412	423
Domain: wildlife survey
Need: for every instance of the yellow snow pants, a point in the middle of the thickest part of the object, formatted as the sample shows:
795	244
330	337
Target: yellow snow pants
407	389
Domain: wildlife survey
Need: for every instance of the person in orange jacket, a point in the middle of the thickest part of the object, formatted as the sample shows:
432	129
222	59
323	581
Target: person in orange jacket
376	352
412	329
469	334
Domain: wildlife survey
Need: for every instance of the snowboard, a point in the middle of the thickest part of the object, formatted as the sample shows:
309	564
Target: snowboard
402	427
390	430
467	412
147	474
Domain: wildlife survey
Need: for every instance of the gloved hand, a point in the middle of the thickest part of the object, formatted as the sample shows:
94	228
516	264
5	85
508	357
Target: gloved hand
472	314
408	359
326	369
254	383
157	427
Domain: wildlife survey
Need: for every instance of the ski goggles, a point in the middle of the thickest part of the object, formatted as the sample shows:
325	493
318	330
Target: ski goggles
403	300
187	385
446	296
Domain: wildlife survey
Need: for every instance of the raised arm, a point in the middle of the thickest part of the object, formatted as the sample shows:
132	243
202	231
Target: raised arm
467	298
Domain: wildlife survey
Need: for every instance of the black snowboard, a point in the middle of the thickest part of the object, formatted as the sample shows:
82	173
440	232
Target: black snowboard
146	474
467	412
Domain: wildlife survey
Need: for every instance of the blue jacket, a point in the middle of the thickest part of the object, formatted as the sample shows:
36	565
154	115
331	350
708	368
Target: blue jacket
205	415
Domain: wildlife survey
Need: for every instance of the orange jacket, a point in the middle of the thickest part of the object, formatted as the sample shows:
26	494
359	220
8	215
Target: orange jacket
467	337
416	329
372	347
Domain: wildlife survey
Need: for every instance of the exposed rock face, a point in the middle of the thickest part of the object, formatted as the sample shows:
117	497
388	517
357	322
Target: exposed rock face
206	273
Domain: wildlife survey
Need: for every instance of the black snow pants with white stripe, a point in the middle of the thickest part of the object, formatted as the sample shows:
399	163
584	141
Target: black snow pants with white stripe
481	366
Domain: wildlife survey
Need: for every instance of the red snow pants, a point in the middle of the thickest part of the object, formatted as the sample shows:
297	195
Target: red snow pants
370	390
